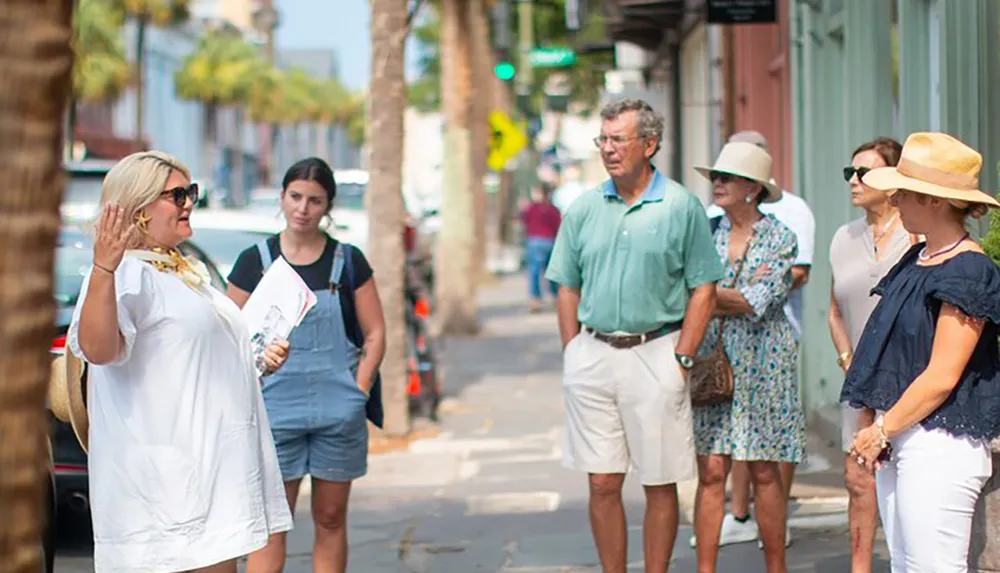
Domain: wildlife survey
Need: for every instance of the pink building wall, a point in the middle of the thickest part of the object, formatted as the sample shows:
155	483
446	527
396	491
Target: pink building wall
762	98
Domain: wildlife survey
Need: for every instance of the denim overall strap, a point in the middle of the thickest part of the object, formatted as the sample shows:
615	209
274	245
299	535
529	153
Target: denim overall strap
337	269
265	256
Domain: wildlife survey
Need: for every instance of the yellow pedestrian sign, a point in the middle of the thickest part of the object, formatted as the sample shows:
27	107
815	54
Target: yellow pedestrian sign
506	140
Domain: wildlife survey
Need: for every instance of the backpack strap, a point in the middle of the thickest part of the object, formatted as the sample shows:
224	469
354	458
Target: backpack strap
265	256
373	408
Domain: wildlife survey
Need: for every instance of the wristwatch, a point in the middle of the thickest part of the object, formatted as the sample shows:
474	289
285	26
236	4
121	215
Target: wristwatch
684	360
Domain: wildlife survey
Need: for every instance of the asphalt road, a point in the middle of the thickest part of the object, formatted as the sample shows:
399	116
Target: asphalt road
488	493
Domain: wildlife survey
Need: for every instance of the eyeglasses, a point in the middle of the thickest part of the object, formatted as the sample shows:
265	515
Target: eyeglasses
850	171
615	140
180	195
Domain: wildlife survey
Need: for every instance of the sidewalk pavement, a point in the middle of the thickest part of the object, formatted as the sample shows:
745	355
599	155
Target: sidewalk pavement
489	492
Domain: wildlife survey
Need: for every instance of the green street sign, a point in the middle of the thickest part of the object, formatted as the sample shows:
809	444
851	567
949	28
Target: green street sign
552	57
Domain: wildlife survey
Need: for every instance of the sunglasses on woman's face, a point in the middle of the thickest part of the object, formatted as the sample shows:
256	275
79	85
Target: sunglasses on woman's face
720	177
180	195
850	171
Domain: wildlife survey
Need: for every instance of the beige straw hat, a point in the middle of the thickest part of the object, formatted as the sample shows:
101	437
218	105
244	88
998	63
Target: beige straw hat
746	160
934	164
67	395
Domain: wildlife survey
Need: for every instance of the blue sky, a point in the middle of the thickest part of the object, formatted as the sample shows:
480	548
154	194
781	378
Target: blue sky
338	24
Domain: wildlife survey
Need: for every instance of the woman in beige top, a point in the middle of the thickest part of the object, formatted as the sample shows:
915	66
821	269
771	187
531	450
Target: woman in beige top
861	253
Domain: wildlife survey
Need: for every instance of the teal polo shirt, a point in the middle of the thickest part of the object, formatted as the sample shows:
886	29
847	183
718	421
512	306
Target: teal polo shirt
635	265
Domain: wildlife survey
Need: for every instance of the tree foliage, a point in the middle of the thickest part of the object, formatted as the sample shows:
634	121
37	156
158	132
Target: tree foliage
586	75
221	70
156	12
100	65
991	240
424	93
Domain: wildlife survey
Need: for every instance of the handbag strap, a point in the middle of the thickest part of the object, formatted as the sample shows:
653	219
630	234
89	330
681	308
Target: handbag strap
736	279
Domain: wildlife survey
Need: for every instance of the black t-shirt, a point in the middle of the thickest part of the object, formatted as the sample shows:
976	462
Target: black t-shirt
248	270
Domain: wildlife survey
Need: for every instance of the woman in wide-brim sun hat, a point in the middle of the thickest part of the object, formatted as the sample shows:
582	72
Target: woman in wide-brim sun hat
927	364
763	423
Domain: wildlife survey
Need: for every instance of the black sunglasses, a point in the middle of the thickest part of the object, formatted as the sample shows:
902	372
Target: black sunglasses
723	178
180	195
850	171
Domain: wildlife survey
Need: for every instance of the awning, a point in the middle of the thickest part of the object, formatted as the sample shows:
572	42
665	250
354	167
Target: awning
642	22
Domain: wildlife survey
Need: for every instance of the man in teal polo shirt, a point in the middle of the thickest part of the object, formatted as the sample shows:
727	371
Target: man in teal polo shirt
636	269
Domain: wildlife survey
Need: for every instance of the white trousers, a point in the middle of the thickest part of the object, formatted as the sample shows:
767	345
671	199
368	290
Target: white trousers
927	495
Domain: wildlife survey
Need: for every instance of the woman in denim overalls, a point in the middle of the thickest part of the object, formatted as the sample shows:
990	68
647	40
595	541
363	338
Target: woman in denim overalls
318	403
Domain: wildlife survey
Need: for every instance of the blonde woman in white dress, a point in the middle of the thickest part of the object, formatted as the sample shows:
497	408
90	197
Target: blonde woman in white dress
183	470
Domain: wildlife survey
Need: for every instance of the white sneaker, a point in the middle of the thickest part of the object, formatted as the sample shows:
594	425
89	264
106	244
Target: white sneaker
733	531
788	538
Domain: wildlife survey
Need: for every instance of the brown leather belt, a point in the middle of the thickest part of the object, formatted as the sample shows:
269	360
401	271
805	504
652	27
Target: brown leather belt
623	341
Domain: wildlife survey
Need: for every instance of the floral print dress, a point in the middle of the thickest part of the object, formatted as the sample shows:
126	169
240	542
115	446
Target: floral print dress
765	420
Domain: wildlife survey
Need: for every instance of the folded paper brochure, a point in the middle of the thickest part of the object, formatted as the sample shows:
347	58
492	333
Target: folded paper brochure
278	304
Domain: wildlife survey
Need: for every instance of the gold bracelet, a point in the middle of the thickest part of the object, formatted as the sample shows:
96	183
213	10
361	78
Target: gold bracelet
843	359
880	427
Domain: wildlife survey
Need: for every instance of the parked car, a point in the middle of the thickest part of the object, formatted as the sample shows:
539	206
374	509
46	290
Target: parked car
74	256
82	196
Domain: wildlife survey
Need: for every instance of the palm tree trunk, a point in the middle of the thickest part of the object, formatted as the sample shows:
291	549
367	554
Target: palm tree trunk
455	295
140	76
482	73
387	101
239	165
35	62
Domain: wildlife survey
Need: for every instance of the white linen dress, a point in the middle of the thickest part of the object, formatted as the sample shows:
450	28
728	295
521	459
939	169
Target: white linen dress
183	470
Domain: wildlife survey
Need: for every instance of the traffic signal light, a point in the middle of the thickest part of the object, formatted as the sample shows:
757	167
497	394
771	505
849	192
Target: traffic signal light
505	71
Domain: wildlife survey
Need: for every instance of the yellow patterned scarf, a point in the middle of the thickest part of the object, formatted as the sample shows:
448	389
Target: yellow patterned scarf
189	269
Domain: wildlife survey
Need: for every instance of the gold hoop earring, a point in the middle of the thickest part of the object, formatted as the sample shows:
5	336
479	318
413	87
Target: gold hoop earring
142	221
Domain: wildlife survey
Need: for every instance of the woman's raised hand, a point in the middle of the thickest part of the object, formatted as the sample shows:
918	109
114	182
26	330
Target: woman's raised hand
112	235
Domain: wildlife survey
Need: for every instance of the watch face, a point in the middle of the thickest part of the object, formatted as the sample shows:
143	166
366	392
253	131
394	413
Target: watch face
685	361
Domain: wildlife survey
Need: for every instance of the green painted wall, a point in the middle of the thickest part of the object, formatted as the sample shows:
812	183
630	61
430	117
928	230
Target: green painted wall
843	96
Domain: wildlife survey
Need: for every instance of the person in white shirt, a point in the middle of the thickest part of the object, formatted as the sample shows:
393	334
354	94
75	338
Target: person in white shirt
570	187
183	471
738	526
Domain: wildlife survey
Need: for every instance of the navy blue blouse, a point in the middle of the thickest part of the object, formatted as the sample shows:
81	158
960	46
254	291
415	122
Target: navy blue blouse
895	346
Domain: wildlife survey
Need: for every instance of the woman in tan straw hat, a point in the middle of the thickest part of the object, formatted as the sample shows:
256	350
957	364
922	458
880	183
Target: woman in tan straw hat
183	470
763	423
927	364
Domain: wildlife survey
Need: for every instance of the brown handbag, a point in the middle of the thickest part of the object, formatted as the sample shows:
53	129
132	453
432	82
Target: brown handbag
711	376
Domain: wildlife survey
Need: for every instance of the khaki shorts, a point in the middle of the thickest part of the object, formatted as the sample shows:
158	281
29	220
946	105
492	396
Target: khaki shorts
628	407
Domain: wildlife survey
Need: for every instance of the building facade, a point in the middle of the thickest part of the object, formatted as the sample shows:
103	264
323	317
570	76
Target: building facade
867	68
828	76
